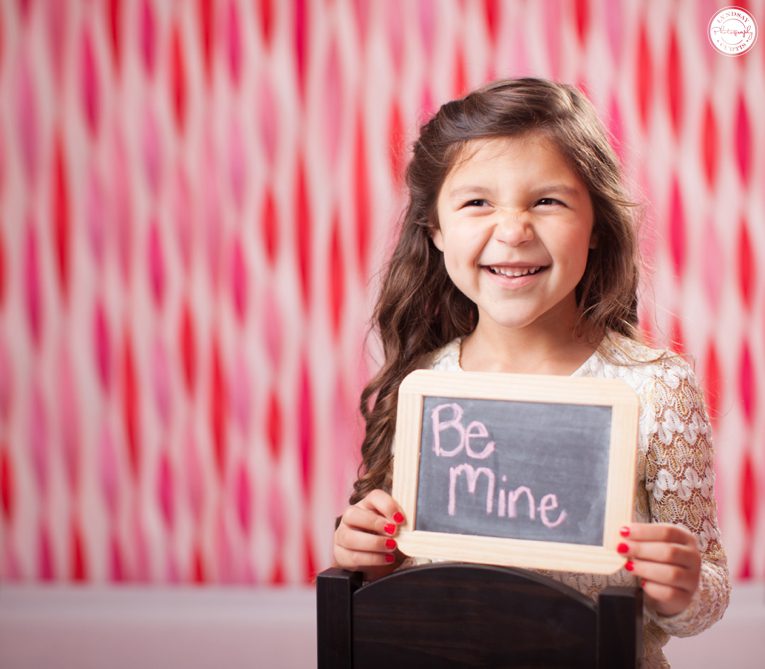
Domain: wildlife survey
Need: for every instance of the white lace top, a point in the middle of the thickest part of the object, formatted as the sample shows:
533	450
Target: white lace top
675	477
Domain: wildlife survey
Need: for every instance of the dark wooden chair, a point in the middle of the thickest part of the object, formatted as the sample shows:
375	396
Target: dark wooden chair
459	615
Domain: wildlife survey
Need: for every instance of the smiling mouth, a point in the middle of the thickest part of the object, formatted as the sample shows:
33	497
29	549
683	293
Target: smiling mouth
514	272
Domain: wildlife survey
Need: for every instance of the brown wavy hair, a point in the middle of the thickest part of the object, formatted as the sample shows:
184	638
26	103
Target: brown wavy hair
419	309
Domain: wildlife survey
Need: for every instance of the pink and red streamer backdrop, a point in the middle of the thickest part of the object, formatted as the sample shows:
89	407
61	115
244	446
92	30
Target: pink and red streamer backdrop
195	197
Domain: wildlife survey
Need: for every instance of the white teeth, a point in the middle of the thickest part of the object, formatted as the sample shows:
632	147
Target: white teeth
505	271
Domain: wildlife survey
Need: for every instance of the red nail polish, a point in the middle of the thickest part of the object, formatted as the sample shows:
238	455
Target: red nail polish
390	528
624	531
629	566
642	583
389	558
622	548
398	517
390	543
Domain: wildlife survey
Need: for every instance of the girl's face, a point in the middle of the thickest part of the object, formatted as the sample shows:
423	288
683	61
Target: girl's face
515	228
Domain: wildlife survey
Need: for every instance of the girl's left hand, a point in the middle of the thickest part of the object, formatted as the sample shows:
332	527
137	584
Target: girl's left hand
667	560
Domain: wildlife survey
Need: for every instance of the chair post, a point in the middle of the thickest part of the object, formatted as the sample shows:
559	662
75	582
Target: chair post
620	628
334	617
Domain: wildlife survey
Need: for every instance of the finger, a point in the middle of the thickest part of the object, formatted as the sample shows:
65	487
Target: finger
665	599
368	520
354	560
381	502
672	576
356	540
662	552
665	532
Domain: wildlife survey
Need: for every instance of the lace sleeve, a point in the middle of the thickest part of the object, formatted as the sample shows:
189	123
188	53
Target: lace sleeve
680	485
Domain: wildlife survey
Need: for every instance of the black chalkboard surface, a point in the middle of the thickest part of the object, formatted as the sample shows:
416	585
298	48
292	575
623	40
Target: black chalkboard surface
528	470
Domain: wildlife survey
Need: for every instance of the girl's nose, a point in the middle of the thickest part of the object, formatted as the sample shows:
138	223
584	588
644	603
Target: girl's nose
513	228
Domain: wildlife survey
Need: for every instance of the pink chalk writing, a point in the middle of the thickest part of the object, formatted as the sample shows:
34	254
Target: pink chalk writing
475	429
464	476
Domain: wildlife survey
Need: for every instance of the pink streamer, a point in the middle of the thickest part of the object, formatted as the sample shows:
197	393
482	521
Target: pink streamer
165	490
333	105
46	568
243	498
713	264
305	429
273	332
156	263
746	383
109	471
426	15
743	139
276	514
57	19
38	436
90	87
234	43
182	205
95	216
161	382
612	13
237	163
140	544
228	569
553	21
122	199
69	420
151	148
211	207
268	120
7	375
394	24
33	284
27	120
195	484
241	393
102	346
239	281
147	37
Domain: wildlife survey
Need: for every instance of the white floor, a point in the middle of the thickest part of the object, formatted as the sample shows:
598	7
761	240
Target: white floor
126	628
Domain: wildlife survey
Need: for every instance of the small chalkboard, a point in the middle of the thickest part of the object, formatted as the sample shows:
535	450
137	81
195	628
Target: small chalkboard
522	470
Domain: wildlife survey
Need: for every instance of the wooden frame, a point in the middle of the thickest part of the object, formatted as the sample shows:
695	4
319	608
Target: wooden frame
612	393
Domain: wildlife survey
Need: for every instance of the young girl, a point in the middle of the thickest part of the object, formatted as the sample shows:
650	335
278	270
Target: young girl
517	253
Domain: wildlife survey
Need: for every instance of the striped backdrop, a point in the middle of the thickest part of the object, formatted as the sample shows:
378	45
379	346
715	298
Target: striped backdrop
195	199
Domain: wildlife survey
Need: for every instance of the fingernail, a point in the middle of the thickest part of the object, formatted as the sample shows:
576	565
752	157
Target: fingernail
389	558
390	528
622	548
629	566
624	531
398	517
390	543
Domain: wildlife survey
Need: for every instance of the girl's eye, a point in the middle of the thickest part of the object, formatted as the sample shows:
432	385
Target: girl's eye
549	201
475	203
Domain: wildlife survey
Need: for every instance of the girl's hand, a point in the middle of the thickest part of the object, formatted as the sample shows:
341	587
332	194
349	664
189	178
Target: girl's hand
364	538
667	560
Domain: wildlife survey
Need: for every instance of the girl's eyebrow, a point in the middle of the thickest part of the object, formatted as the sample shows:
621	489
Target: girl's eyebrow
462	191
562	188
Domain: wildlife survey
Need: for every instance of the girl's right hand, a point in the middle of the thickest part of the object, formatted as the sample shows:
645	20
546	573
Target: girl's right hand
364	539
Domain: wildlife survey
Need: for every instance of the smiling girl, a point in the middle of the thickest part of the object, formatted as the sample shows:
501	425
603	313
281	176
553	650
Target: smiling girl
517	253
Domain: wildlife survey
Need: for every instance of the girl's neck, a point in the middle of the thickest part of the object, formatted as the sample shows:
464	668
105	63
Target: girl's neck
524	351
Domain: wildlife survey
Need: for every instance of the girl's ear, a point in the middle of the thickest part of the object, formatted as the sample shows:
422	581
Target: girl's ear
593	240
438	239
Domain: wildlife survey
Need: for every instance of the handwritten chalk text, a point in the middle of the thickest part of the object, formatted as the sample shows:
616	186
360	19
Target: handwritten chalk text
447	418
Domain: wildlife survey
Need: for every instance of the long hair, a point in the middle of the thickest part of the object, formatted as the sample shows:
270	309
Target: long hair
419	309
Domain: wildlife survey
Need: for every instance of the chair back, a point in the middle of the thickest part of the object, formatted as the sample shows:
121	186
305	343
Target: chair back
458	615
